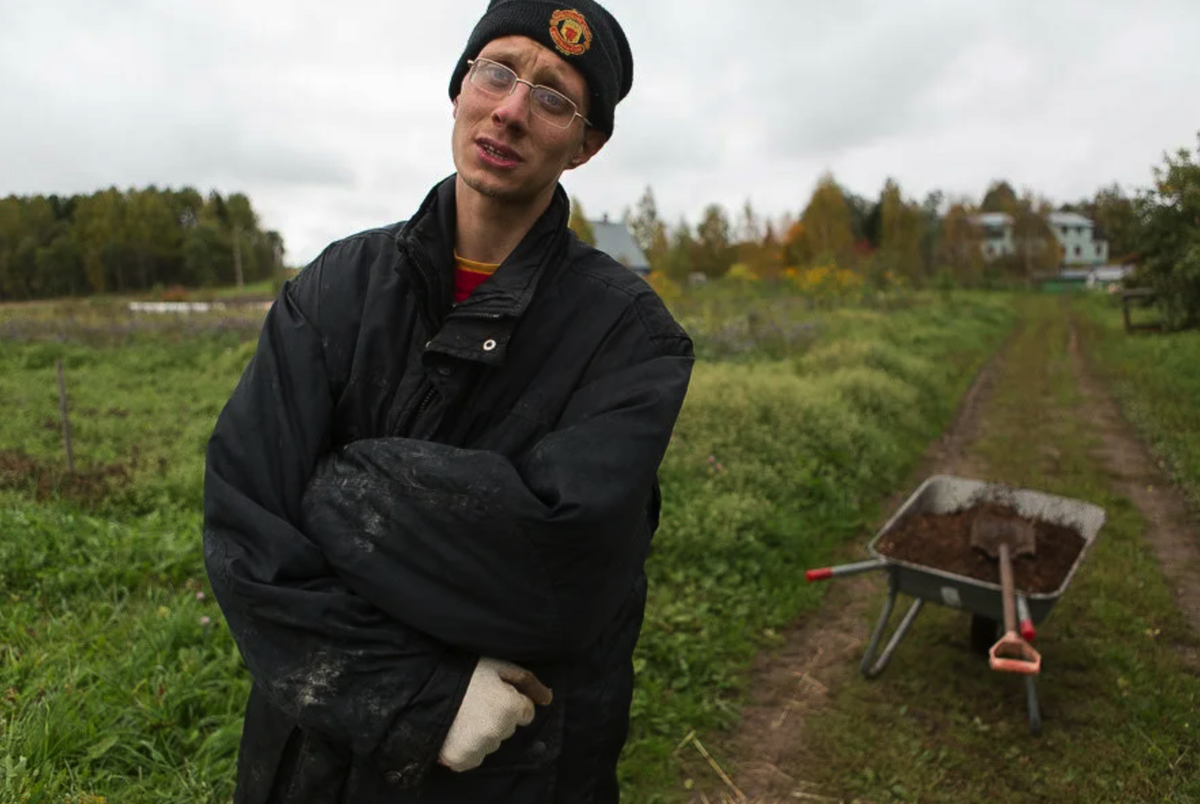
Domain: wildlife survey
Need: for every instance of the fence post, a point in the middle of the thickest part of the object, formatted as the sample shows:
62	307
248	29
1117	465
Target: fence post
62	412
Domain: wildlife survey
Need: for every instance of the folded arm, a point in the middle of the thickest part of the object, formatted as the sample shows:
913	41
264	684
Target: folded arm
323	655
526	561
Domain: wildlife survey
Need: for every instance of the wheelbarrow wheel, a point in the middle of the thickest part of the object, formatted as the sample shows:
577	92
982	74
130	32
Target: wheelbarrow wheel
984	633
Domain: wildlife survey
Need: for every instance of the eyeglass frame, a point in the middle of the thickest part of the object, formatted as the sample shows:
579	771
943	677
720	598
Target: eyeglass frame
532	86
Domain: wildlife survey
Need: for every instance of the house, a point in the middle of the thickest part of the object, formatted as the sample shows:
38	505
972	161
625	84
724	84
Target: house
997	234
1075	234
615	240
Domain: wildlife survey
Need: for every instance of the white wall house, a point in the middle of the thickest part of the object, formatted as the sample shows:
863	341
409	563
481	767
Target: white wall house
997	230
1074	232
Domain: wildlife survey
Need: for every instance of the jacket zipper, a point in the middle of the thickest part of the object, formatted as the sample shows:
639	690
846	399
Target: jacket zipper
404	428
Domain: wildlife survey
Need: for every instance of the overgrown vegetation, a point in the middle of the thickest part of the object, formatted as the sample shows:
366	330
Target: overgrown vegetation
117	679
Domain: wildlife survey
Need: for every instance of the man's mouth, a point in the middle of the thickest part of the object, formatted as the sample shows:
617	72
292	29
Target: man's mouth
497	151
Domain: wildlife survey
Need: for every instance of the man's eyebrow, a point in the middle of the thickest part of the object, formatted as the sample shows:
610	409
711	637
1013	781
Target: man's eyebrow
546	74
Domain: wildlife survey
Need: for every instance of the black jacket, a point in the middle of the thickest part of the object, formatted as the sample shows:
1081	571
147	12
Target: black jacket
398	486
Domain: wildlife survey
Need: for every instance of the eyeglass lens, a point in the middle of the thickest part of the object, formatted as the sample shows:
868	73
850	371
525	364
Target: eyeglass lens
548	104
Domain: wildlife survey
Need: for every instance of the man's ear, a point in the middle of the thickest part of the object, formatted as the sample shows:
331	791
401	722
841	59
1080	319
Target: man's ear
593	141
454	113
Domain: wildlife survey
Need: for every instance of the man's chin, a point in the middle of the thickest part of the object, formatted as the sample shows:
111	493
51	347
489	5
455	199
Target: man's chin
495	189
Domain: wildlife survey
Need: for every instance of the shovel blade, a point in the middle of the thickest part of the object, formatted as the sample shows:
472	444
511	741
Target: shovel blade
988	532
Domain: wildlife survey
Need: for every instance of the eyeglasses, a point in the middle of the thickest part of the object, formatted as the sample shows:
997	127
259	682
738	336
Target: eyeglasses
493	78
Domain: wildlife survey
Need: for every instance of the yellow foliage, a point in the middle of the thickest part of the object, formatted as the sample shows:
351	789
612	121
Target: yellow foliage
663	285
823	282
741	272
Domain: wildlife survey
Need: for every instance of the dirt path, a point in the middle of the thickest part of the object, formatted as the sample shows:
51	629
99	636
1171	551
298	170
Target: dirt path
792	686
1171	529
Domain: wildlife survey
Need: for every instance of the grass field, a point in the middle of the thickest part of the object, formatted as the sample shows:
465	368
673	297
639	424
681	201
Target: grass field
1156	379
118	680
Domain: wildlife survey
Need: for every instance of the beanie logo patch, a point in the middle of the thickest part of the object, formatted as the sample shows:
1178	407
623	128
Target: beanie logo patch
570	32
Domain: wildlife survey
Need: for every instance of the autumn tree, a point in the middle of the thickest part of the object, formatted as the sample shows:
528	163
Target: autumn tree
680	256
1169	237
959	246
648	231
827	231
715	250
771	253
1037	249
579	224
900	233
1000	197
1116	220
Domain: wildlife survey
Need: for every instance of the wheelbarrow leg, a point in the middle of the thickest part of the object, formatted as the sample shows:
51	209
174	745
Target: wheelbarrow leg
1031	697
871	667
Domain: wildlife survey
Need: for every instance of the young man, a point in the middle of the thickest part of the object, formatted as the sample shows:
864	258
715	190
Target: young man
429	500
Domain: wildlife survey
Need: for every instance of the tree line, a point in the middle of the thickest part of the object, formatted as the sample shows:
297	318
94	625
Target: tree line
891	236
115	241
939	240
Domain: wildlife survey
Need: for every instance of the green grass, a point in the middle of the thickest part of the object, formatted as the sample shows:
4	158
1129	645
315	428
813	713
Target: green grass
1120	707
1156	380
111	686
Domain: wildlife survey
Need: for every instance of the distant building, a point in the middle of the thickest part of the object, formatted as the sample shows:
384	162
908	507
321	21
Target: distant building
1075	233
615	240
997	230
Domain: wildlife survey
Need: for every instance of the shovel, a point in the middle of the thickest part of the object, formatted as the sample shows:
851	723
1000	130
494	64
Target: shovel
1005	539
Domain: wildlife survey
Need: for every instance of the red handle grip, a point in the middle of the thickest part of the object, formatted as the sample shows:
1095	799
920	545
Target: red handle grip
1028	632
819	574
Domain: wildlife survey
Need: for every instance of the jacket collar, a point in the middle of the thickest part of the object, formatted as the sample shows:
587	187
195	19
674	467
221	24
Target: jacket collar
428	241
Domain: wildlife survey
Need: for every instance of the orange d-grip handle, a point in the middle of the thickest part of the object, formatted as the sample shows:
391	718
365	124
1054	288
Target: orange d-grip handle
1012	654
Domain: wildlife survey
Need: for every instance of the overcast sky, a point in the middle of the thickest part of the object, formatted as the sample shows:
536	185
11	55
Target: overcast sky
334	116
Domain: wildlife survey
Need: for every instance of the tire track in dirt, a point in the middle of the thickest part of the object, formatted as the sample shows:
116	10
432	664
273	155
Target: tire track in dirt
1171	529
790	687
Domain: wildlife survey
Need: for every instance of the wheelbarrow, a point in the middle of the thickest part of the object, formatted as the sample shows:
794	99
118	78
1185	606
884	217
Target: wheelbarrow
944	494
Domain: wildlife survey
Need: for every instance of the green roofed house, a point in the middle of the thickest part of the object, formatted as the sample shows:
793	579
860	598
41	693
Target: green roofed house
615	240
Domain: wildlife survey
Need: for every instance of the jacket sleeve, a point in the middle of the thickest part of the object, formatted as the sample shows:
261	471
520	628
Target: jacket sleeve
322	654
528	561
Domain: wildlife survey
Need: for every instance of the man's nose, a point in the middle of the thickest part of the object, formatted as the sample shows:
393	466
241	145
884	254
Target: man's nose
514	109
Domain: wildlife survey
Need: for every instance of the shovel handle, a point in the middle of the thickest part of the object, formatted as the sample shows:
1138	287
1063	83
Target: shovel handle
825	573
1014	655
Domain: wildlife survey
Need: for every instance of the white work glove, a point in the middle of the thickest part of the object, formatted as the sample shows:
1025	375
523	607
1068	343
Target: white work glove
500	697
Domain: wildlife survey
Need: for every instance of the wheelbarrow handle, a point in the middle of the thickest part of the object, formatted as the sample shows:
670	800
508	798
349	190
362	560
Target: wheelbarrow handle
842	570
1028	632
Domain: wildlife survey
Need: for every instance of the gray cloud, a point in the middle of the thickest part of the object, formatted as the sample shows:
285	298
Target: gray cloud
337	118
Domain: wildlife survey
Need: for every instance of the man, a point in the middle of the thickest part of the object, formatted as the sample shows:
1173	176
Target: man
429	500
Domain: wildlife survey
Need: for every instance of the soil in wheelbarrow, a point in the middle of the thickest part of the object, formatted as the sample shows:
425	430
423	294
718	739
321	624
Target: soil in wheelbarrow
943	541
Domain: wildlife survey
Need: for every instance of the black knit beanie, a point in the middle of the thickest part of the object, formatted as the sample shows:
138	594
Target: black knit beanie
585	35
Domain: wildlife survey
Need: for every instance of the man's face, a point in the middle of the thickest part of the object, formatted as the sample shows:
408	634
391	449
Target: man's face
501	149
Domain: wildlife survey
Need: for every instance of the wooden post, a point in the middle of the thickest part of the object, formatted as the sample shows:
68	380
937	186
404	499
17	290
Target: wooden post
62	412
1125	312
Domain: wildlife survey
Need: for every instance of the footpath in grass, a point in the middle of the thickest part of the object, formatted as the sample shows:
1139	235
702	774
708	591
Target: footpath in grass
1155	377
1120	699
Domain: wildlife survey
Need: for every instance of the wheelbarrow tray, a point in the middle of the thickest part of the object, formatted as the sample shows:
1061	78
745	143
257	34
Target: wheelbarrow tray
945	494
